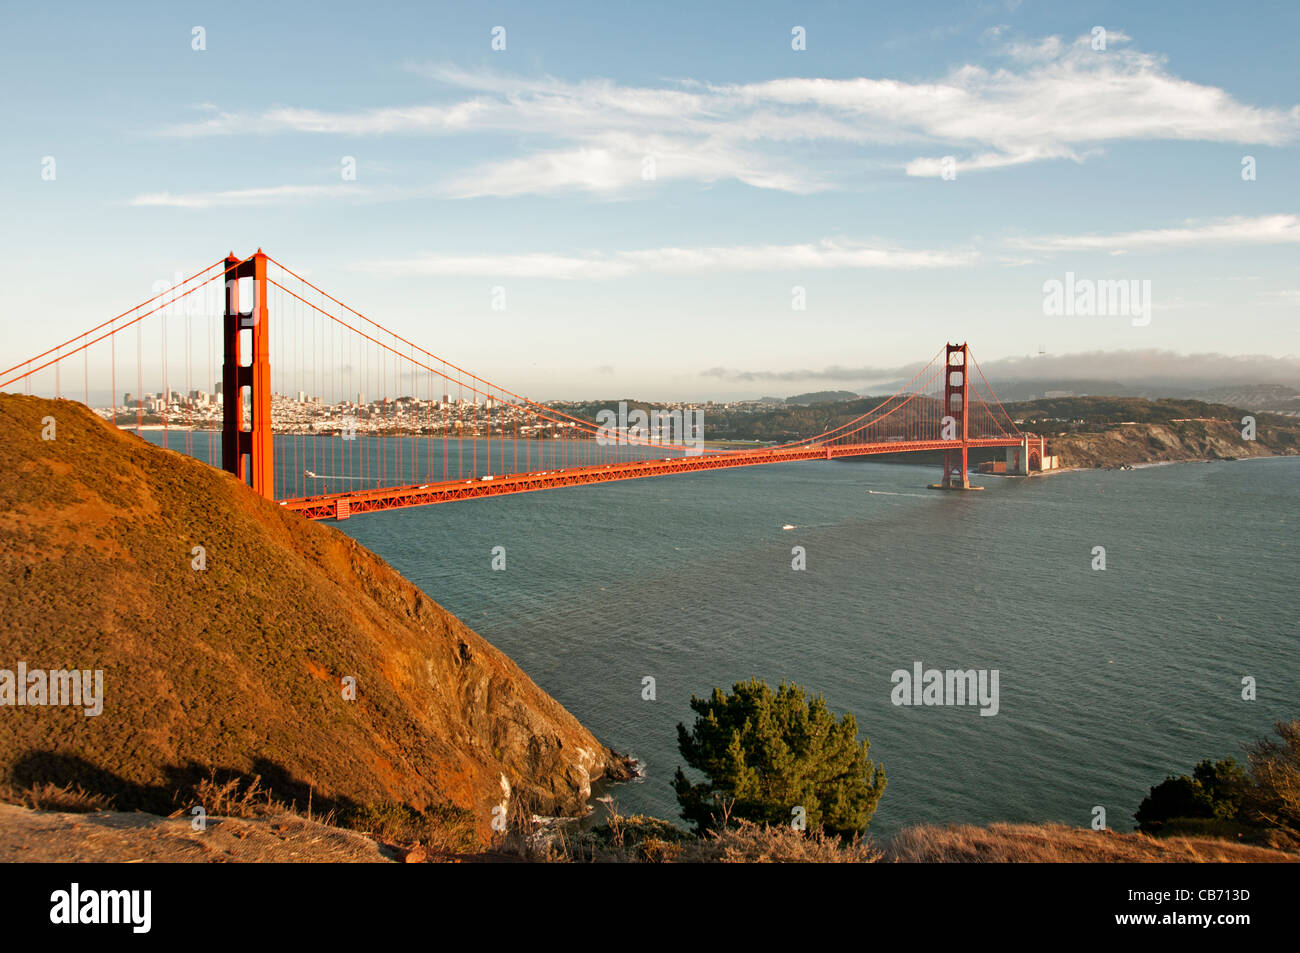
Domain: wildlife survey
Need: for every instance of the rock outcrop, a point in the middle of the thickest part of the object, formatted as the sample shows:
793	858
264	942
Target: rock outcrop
1132	444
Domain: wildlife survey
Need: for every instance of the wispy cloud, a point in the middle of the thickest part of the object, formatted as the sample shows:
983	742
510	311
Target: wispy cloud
1050	99
1238	230
270	195
828	253
619	164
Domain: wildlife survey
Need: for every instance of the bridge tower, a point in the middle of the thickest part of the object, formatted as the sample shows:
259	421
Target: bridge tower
248	453
956	404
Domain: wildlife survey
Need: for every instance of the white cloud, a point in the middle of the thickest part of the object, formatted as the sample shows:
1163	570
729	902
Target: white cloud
617	164
827	253
269	195
1052	100
1238	230
934	167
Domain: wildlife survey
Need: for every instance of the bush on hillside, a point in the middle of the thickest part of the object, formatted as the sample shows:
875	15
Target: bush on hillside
1222	798
768	753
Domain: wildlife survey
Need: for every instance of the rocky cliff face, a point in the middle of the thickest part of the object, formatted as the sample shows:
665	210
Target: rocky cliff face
230	633
1152	443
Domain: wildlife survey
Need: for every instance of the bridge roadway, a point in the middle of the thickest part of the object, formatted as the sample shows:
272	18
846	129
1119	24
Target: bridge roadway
343	505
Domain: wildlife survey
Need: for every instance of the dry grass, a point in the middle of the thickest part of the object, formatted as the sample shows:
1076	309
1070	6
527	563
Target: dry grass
108	837
237	797
638	839
1057	843
448	833
69	798
750	843
440	830
642	840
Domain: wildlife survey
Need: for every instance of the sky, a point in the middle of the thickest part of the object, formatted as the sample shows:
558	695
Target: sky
674	200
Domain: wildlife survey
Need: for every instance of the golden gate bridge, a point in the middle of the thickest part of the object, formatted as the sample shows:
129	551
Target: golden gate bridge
403	449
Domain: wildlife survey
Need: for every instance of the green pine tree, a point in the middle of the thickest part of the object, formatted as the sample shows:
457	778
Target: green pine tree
765	753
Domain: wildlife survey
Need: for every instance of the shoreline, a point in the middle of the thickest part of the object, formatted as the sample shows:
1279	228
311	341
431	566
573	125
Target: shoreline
1134	466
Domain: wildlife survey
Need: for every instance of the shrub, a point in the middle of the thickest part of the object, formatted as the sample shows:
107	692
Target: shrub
1222	798
1274	800
1214	792
767	753
443	828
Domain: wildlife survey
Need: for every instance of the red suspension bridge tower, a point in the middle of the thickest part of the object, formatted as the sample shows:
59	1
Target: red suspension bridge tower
956	409
247	451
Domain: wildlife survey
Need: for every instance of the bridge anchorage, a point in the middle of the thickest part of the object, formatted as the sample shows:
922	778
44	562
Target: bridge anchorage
330	414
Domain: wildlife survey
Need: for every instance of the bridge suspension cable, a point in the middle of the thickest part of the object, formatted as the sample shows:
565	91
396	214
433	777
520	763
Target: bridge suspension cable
343	411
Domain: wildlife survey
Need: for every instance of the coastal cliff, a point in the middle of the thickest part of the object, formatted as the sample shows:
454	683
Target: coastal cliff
1186	440
236	638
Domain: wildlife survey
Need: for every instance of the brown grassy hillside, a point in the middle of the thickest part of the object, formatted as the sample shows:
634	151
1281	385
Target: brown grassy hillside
238	667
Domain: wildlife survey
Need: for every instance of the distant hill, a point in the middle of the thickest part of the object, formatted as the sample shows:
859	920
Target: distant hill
1266	398
239	667
1116	409
821	397
1274	398
1011	390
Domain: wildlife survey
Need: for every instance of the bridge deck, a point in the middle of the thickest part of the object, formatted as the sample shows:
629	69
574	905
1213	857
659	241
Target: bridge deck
342	505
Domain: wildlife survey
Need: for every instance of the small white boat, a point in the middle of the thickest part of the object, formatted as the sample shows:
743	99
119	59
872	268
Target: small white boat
788	526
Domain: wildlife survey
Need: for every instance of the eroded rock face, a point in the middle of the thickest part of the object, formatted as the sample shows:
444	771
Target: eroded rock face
241	666
1151	443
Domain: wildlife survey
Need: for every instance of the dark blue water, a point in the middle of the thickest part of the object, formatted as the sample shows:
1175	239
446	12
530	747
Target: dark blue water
1109	680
